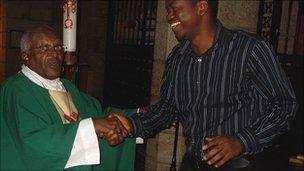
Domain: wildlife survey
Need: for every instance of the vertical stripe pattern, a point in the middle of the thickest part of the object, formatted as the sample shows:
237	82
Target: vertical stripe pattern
237	87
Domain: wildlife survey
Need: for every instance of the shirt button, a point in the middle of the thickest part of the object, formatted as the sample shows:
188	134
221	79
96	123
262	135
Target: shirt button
199	60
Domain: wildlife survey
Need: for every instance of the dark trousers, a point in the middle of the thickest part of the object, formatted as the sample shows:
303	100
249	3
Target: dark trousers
268	160
191	163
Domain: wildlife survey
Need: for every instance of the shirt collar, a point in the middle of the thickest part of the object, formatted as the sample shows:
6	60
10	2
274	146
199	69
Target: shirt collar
55	84
218	38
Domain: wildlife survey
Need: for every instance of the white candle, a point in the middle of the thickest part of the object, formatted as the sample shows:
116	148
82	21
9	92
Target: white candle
69	25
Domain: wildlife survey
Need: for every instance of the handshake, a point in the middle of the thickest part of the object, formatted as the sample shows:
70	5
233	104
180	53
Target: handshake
113	128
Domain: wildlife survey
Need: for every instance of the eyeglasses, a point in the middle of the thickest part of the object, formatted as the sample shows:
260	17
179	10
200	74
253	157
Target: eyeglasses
46	48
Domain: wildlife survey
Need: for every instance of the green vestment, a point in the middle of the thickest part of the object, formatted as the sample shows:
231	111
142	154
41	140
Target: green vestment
33	136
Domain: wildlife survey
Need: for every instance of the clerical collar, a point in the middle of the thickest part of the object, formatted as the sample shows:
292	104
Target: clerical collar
55	84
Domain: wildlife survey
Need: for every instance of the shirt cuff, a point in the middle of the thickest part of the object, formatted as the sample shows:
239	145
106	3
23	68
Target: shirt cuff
85	149
248	141
136	126
139	140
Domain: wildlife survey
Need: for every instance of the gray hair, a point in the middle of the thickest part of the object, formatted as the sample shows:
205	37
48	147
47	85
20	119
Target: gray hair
25	43
27	37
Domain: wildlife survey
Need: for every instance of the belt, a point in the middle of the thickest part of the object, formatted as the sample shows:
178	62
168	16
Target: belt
237	163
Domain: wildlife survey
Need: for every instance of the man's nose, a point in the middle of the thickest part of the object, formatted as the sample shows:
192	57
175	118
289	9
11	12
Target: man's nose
55	53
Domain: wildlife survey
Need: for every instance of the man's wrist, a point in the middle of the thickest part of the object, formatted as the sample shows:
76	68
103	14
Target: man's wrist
135	124
247	140
129	126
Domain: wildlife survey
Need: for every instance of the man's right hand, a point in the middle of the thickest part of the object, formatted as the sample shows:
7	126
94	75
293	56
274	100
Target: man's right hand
110	129
124	121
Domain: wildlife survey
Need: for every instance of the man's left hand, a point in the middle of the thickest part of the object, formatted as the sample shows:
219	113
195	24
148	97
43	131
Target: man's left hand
220	149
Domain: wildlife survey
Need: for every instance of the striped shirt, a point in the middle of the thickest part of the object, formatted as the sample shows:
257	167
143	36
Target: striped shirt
237	87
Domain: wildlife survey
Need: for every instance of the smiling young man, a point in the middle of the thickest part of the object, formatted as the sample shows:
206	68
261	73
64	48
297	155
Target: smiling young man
225	87
47	124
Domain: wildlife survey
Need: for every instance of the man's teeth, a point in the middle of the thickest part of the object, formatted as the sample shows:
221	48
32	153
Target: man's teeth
175	24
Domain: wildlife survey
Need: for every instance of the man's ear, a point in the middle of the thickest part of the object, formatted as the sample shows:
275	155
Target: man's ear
25	58
202	7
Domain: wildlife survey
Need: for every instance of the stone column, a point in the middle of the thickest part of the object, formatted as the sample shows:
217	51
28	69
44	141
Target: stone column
241	15
288	27
160	148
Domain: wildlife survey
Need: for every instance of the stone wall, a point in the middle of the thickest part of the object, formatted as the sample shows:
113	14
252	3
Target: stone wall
238	14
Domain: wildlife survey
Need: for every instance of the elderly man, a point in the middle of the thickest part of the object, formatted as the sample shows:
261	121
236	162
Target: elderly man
47	124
